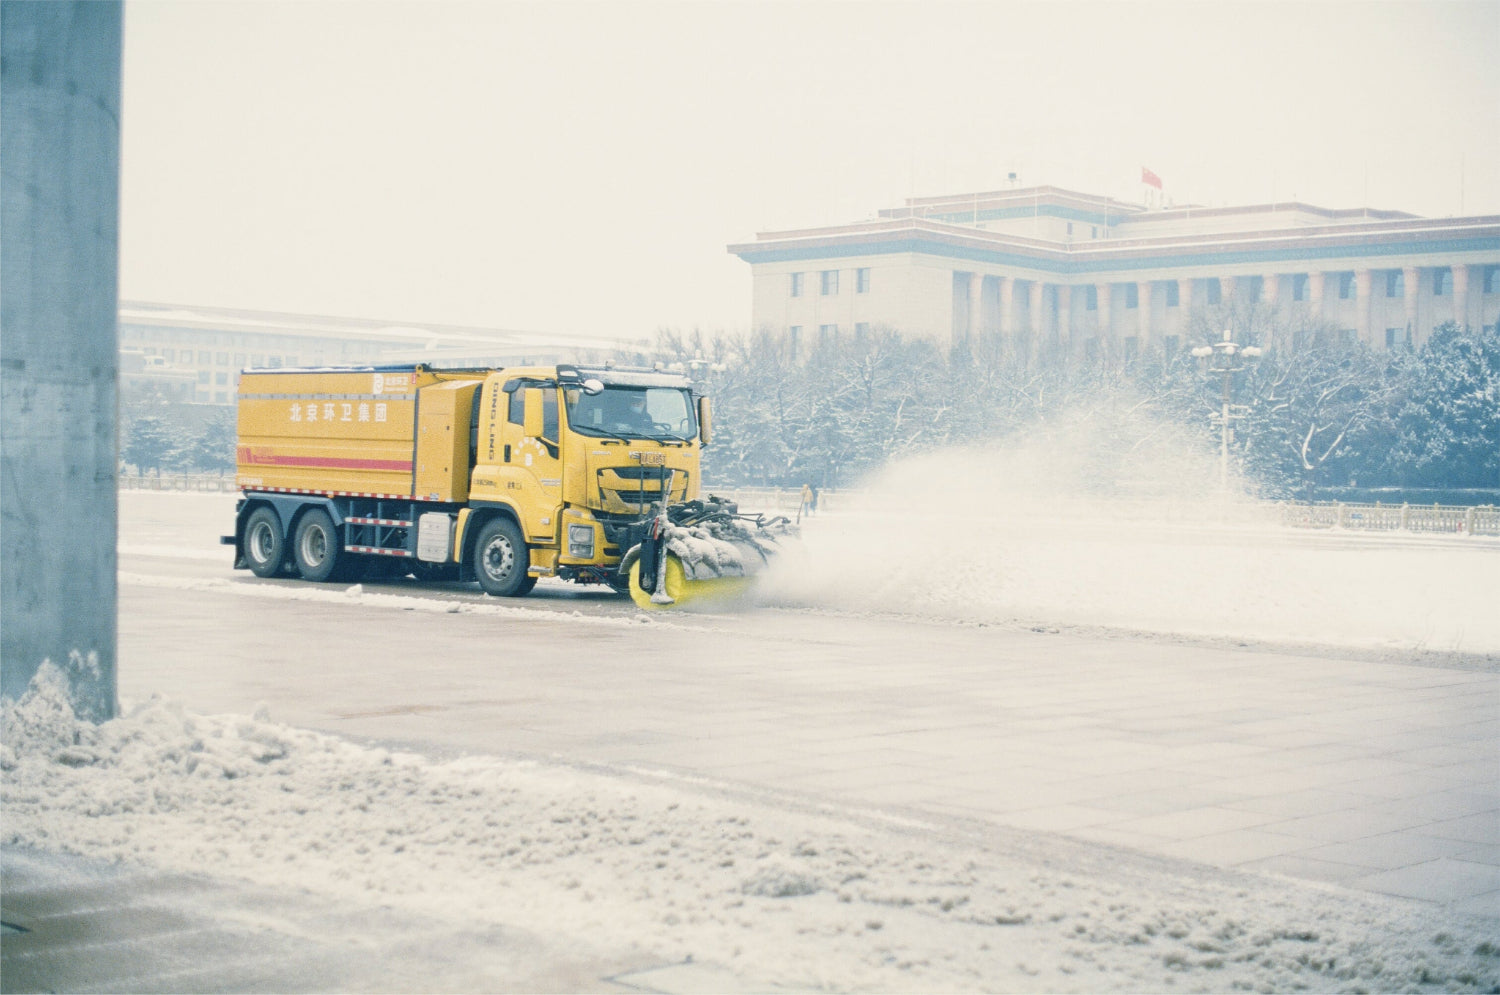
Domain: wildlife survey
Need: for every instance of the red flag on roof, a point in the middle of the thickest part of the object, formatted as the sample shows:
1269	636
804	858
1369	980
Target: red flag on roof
1150	179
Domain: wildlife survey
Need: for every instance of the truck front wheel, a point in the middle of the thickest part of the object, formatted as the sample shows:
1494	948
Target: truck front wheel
317	546
264	545
501	560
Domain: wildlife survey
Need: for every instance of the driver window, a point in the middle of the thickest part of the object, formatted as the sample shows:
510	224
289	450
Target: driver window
516	413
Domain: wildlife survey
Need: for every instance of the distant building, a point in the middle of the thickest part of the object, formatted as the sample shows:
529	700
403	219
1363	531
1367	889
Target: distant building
1053	272
196	354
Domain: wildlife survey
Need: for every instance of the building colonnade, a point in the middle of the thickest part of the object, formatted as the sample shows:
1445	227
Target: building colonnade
1078	318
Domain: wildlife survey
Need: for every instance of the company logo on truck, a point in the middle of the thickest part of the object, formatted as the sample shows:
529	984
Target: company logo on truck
390	381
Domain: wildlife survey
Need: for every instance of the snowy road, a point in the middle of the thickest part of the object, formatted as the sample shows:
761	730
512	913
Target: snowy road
1262	787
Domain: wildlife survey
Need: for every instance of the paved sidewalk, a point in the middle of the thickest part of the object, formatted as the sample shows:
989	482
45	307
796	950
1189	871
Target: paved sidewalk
71	924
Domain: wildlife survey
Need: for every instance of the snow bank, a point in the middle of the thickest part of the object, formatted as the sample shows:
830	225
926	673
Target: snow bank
1082	527
779	896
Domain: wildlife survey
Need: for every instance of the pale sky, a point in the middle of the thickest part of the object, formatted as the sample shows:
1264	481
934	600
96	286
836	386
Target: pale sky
579	168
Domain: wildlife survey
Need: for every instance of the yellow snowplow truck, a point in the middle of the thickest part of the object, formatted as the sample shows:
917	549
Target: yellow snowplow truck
500	476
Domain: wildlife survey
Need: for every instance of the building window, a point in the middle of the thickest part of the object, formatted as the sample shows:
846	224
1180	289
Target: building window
239	359
1442	282
220	397
862	280
1491	279
1346	286
205	357
203	376
1299	286
1132	295
796	284
1395	283
861	330
222	379
1215	292
1091	298
828	282
827	333
221	358
274	362
1070	229
1394	337
1093	231
1170	345
794	338
1132	347
1172	297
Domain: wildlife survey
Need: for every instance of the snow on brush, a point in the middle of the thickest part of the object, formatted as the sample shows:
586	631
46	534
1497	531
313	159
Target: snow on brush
1128	529
781	897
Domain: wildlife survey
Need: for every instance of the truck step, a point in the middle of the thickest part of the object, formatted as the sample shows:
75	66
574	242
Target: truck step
398	523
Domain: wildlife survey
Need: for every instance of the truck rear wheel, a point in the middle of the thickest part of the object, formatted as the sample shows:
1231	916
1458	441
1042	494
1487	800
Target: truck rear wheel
265	546
317	547
501	560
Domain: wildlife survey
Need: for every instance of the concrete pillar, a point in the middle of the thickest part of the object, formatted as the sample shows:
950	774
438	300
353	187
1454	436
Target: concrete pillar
1411	281
1315	289
1184	305
1106	330
59	352
1007	308
1363	279
1064	319
1461	295
976	307
1038	319
1270	289
1143	313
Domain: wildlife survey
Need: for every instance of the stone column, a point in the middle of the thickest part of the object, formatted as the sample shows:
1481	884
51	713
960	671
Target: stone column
1038	320
1184	305
1411	281
1315	283
1270	289
59	348
976	308
1461	295
1106	332
1363	279
1064	319
1226	290
1007	308
1143	315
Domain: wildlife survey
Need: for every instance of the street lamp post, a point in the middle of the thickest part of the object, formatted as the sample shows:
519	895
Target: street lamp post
1226	357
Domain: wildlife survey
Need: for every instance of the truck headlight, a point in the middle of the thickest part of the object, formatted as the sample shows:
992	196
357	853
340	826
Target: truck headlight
581	541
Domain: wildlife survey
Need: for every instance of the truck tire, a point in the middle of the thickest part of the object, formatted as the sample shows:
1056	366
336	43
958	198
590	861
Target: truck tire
265	546
317	547
501	560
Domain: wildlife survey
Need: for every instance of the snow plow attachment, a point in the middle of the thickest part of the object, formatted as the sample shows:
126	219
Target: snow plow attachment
701	551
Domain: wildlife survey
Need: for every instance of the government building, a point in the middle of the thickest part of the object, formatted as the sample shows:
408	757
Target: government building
195	354
1046	272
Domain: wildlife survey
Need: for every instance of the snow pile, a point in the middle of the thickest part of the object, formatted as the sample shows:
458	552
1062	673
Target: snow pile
1084	527
779	896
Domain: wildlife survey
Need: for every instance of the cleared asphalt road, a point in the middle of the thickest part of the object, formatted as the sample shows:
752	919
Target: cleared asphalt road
1374	775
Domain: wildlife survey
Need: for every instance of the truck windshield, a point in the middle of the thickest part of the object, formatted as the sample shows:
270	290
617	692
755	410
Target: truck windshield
634	412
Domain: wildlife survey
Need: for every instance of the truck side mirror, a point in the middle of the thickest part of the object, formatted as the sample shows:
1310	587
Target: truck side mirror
532	420
705	421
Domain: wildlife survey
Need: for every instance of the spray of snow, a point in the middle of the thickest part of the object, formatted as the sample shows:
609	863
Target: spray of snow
779	896
1109	520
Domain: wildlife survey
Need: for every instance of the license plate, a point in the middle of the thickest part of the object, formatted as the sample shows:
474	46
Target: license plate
653	459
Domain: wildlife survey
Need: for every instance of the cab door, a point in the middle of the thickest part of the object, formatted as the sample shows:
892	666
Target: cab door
529	467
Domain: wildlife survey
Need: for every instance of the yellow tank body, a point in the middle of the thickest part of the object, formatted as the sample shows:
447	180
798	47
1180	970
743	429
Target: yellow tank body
354	432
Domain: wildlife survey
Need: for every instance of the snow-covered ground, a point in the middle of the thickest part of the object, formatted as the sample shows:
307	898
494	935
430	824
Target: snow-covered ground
778	896
778	891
